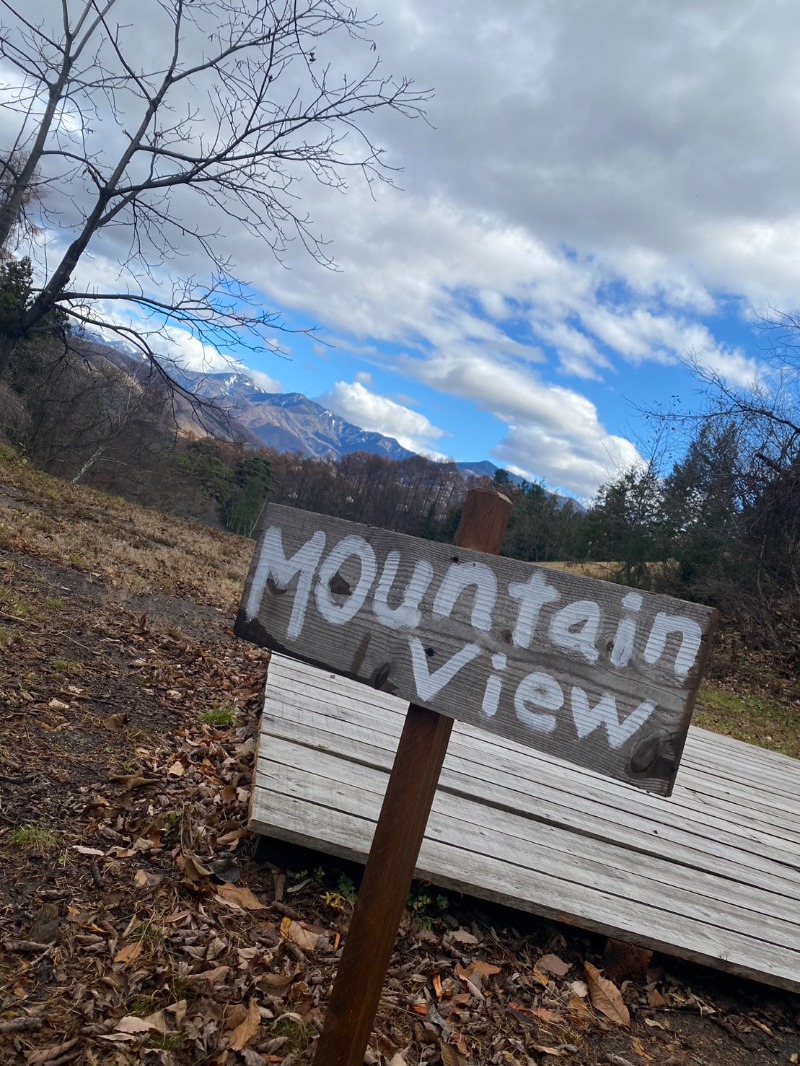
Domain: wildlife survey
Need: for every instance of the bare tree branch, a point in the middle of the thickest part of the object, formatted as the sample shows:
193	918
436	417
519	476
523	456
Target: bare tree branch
235	101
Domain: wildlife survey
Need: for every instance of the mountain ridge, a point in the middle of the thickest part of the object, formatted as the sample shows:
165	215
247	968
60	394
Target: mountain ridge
286	421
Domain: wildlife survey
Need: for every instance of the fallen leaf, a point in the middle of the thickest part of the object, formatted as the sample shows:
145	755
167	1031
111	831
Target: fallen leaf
450	1057
217	976
177	769
606	997
83	850
549	1017
232	838
554	1051
115	721
476	969
179	1010
276	982
157	1021
652	1023
579	1012
460	936
655	999
132	781
252	1058
553	965
244	1032
58	705
194	870
129	953
240	896
133	1026
305	937
175	917
49	1054
637	1047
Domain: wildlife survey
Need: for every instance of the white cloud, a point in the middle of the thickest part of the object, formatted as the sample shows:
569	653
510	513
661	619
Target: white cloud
554	433
598	187
263	381
578	459
379	414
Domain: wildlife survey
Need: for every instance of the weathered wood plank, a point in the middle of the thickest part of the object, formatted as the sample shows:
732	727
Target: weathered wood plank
577	814
700	875
532	889
581	669
506	835
354	732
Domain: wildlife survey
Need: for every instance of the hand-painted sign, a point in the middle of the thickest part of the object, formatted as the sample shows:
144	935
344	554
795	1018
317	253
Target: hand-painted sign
588	671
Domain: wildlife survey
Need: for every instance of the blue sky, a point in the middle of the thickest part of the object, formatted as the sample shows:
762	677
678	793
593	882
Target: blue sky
602	190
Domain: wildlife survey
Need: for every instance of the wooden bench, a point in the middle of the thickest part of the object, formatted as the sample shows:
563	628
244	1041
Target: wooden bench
711	874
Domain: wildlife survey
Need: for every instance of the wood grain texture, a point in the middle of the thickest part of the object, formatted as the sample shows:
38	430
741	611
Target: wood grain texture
711	875
398	835
585	670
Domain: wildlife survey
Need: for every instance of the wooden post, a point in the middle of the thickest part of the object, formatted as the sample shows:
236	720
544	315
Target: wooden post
398	838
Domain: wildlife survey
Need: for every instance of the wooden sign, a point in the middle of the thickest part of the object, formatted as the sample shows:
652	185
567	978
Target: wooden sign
592	672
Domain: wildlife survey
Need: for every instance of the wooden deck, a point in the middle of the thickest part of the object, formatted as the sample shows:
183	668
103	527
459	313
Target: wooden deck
711	874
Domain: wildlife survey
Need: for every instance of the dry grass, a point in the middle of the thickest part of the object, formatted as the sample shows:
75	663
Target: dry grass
127	547
603	571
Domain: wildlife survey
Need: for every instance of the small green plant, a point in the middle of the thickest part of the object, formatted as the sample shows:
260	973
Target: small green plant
425	908
64	666
298	1034
13	604
167	1042
36	839
347	889
344	896
54	603
149	934
141	1006
224	715
7	637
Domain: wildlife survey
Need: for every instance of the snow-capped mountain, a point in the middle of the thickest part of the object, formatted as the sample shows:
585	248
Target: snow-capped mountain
290	421
285	421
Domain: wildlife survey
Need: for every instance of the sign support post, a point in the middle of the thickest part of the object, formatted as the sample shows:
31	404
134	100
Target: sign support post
398	838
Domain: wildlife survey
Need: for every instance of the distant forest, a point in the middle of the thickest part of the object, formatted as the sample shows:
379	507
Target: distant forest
721	525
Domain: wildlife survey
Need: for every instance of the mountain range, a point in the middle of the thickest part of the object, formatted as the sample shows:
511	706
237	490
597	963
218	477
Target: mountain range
285	421
291	422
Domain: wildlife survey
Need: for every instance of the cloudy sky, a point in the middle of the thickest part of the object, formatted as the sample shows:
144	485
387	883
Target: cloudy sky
603	188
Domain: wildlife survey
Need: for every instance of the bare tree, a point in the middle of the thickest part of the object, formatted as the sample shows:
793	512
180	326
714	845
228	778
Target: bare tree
129	113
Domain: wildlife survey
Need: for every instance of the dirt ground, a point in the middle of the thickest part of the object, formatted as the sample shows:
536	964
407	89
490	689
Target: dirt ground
141	922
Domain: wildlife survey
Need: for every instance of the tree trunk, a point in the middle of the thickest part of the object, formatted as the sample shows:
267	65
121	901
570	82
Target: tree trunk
8	342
